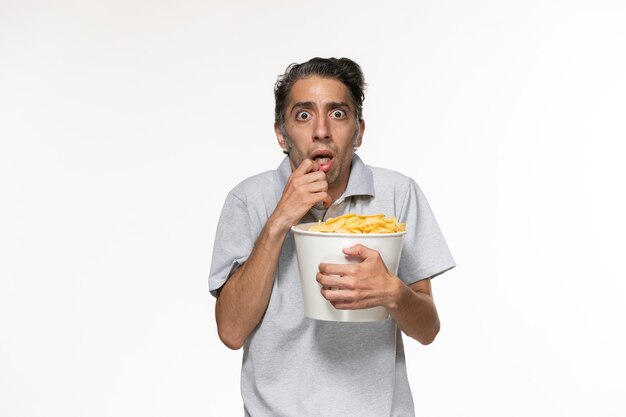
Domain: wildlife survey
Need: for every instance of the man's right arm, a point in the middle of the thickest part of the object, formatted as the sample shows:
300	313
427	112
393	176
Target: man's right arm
243	299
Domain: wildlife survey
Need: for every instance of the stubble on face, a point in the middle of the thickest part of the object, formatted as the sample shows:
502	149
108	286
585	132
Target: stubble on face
296	156
320	124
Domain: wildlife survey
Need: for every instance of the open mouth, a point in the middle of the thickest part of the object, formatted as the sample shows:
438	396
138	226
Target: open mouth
322	156
324	159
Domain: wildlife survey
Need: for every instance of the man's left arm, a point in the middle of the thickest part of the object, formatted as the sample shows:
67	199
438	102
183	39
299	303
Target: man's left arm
370	284
415	312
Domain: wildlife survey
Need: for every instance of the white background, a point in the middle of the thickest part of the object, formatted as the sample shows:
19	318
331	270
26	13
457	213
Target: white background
123	124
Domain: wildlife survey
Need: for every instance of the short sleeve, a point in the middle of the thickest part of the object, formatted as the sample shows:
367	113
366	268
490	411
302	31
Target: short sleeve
234	241
425	253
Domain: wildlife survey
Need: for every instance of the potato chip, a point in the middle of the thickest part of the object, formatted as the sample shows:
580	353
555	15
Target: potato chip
352	223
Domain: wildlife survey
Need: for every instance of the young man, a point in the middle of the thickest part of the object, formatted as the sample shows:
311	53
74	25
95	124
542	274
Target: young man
292	365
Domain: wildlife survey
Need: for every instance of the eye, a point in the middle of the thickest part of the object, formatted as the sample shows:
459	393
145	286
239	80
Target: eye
303	115
338	114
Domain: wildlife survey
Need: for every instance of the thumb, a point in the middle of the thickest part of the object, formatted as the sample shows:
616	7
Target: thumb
359	250
306	166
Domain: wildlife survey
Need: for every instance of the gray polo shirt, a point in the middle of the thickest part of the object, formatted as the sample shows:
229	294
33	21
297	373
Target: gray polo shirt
296	366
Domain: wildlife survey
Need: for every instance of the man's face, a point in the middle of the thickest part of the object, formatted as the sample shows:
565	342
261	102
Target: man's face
320	124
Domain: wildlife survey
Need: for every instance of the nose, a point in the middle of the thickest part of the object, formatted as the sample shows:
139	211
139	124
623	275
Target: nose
321	130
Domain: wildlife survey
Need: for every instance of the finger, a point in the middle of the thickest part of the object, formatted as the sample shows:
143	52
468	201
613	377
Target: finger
349	305
346	300
361	251
306	166
321	197
337	296
314	176
337	269
333	281
315	186
327	201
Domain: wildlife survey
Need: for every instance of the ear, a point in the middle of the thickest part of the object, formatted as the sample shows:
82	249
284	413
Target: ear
359	138
280	136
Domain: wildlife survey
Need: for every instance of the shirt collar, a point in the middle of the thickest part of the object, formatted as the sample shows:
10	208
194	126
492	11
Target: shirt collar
360	182
281	175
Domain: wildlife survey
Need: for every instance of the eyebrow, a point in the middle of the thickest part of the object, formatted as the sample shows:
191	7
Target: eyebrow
310	105
302	105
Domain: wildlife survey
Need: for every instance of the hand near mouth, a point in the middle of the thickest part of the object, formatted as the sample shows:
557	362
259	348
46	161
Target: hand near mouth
318	167
306	187
324	159
327	201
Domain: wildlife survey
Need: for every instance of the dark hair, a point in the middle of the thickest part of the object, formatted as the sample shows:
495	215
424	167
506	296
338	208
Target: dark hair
342	69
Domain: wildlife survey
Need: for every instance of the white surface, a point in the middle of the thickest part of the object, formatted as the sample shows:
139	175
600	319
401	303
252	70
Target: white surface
314	248
123	124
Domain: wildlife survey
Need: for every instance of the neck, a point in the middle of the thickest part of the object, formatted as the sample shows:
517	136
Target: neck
336	189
